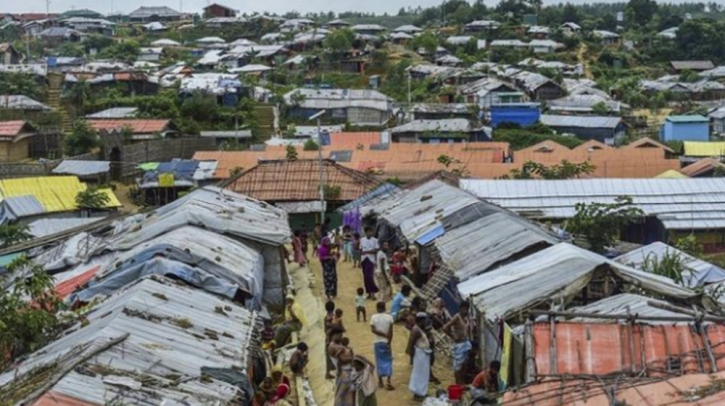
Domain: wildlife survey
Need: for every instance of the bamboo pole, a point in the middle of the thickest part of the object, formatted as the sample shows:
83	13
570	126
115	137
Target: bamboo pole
553	368
630	330
529	342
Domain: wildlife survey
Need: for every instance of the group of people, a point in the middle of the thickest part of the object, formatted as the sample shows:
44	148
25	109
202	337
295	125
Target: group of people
382	271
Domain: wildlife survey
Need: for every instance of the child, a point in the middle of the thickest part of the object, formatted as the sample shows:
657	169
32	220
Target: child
347	243
337	320
360	305
356	254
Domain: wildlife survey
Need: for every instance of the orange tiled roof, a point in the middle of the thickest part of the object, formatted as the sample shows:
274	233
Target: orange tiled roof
139	126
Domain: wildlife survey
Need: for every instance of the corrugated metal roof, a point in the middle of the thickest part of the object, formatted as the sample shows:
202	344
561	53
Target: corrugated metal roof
12	129
49	226
419	210
55	193
220	210
693	65
444	125
603	349
687	119
484	243
560	270
580	121
173	332
236	265
13	208
625	304
373	197
82	168
696	273
678	203
20	102
704	149
161	11
115	112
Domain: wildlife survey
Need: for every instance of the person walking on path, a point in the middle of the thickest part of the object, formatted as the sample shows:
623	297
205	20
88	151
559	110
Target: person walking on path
381	324
299	254
419	348
329	267
459	329
369	247
364	381
382	275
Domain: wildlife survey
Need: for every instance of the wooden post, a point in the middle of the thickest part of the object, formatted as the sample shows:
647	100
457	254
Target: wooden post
529	343
705	340
553	368
630	330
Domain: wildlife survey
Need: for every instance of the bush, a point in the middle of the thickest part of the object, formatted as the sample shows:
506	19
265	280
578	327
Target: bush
311	145
82	140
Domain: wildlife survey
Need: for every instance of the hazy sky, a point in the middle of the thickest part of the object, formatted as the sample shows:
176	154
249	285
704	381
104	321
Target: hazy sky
274	6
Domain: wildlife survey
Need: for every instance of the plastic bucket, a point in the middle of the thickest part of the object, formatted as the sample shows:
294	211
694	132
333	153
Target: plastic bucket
455	392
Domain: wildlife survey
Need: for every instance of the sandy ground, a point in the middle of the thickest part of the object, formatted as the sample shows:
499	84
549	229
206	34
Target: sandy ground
361	338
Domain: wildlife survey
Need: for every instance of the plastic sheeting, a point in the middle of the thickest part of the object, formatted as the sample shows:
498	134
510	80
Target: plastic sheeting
156	266
623	304
225	258
697	273
173	331
560	270
183	171
49	226
66	254
417	211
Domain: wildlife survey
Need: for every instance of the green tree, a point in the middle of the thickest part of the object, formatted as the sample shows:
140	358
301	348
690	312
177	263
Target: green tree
339	41
200	107
719	172
640	12
563	170
29	310
311	145
91	198
11	234
70	49
689	245
82	140
126	51
602	223
600	109
427	41
291	152
12	83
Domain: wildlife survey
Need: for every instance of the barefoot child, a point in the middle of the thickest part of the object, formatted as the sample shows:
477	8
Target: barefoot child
360	305
337	320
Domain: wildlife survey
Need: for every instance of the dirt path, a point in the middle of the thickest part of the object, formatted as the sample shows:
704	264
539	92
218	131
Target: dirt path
361	338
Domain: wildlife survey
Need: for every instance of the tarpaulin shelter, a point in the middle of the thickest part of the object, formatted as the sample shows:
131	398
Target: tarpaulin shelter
154	341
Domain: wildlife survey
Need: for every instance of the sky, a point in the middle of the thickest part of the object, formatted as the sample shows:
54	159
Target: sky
273	6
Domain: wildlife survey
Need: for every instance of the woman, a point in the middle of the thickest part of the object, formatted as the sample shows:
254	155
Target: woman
344	391
278	377
364	381
298	251
329	318
419	348
437	313
329	271
382	275
279	399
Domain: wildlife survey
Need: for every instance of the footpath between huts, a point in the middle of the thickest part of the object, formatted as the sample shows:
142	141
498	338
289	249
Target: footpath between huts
310	295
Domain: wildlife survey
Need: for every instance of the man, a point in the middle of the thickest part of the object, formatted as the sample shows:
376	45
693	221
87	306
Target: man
298	361
420	349
487	381
369	249
381	324
459	329
401	303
